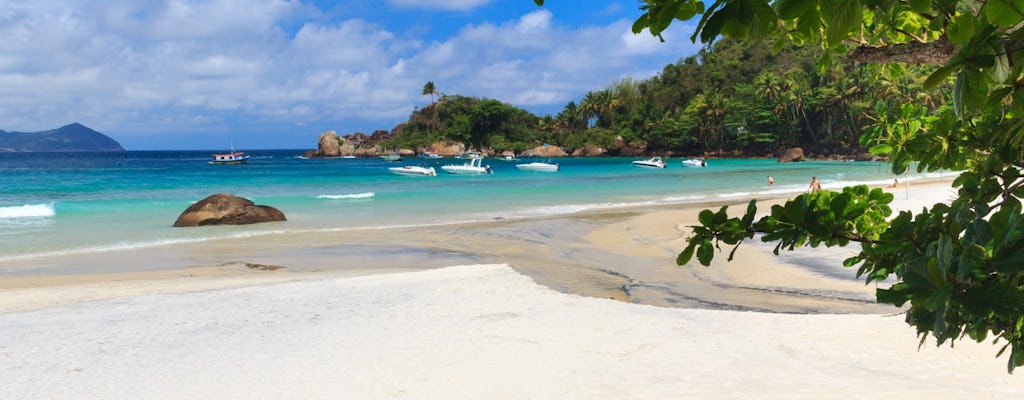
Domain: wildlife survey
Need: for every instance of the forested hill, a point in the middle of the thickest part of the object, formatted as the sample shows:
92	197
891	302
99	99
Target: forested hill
72	137
732	99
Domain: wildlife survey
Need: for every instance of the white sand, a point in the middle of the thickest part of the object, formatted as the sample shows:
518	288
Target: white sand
465	332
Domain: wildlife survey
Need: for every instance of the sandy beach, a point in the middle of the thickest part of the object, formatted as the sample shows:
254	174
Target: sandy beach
588	305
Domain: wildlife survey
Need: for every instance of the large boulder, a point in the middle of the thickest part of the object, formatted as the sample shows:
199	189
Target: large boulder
328	145
546	151
226	209
447	149
792	155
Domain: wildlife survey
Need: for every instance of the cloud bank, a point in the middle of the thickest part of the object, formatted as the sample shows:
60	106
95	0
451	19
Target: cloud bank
137	70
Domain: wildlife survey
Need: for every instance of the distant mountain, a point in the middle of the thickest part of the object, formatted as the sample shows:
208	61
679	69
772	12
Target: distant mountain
73	137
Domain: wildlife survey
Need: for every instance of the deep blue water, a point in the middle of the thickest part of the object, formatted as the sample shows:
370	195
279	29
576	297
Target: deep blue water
62	203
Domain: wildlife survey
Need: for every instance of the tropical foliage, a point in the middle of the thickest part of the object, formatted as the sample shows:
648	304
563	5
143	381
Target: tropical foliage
958	268
734	97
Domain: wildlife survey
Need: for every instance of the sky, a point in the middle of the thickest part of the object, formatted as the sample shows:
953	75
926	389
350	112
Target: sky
274	74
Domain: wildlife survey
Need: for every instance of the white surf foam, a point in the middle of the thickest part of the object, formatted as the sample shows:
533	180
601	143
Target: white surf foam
366	195
28	211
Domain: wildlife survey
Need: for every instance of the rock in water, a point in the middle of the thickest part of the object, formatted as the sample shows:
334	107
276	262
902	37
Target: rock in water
226	209
792	155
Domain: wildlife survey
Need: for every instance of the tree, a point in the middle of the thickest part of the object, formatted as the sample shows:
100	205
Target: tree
429	89
960	266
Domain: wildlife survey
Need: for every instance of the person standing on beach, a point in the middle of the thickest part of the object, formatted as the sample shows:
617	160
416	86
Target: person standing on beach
771	181
815	184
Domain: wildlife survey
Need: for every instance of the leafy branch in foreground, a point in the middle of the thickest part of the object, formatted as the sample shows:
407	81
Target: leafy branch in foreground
960	266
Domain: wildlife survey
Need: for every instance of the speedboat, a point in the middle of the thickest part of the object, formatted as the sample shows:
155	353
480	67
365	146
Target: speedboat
428	154
473	167
538	167
411	170
653	162
695	162
508	157
234	157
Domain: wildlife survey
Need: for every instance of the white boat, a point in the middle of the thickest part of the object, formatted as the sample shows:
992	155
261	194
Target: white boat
653	162
410	170
473	167
538	167
234	157
695	162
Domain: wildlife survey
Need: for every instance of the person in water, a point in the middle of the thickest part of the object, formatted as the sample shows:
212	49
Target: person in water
771	181
815	184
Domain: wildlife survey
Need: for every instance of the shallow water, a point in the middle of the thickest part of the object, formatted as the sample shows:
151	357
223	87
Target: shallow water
58	204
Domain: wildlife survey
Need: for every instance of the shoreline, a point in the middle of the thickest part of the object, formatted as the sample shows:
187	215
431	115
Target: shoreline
623	253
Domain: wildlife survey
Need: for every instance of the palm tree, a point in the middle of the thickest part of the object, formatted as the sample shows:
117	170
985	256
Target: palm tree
428	88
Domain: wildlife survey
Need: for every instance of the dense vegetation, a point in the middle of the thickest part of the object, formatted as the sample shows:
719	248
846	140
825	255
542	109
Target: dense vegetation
958	267
733	97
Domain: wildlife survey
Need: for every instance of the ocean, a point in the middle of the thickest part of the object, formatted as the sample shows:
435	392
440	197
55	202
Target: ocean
86	203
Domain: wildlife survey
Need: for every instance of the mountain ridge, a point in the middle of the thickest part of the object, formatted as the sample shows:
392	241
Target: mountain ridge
70	137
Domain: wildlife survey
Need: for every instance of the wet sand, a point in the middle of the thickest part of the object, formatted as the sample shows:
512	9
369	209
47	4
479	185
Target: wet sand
623	254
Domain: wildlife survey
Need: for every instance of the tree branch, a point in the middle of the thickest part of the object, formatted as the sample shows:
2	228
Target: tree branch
932	53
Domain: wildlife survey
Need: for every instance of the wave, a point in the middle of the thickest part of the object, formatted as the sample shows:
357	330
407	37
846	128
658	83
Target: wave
28	211
366	195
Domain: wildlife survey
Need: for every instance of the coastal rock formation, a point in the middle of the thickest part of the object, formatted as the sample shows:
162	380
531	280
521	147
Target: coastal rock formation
792	155
328	145
226	209
546	151
447	149
589	151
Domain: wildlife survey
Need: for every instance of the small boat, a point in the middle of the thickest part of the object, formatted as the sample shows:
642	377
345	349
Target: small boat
234	157
508	157
653	162
695	163
538	167
473	167
428	154
391	157
410	170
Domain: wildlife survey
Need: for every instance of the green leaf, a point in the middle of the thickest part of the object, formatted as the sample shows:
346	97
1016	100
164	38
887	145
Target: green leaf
841	17
921	6
937	299
687	253
705	253
1004	13
961	30
789	9
969	91
940	75
706	217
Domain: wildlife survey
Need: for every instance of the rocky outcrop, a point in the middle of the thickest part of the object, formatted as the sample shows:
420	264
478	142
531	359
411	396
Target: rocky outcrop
589	151
328	145
447	149
792	155
226	209
631	149
546	151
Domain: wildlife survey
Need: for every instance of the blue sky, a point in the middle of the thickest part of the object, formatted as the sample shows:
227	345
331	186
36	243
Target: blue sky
157	74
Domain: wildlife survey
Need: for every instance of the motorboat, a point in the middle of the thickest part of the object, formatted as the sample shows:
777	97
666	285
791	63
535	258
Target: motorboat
428	154
508	157
391	157
412	170
234	157
473	167
653	162
538	167
695	163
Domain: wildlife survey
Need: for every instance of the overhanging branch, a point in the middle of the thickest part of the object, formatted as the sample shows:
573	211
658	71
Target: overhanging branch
931	53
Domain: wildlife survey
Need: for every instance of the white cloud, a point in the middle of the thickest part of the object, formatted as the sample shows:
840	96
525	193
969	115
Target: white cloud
142	68
462	5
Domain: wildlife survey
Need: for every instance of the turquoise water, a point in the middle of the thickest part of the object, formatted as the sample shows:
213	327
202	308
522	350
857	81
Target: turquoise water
68	203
